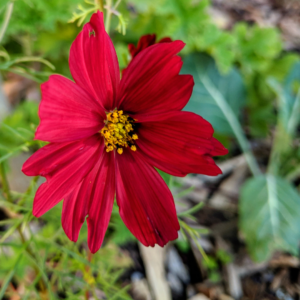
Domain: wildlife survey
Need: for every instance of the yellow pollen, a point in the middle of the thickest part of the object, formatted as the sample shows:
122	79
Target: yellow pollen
109	148
118	131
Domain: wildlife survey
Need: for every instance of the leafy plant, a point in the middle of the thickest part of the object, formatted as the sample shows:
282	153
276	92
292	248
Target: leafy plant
270	219
270	213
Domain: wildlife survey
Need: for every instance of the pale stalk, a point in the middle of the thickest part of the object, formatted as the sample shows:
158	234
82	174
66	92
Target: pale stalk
41	282
108	15
100	4
87	269
7	16
117	4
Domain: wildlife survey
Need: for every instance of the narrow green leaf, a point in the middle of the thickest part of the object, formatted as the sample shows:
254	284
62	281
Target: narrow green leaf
191	210
9	277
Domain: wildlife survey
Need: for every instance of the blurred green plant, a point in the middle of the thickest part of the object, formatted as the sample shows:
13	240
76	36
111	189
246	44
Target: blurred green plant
212	265
236	82
270	219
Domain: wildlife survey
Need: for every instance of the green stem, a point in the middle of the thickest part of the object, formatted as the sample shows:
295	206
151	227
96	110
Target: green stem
234	124
41	283
275	156
108	15
117	4
7	16
293	175
5	185
191	210
31	186
100	4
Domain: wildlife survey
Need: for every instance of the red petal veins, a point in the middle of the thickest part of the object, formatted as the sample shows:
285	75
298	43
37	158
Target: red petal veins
74	211
176	96
67	112
102	200
94	64
64	178
146	204
50	158
148	83
179	145
75	205
219	149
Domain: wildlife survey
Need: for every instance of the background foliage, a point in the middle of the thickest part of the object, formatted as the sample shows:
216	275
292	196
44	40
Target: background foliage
246	85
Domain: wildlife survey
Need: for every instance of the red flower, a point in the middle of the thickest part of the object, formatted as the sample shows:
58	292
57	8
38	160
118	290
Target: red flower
144	42
106	136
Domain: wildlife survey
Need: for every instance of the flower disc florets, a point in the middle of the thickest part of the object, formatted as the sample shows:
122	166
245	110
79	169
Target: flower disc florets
118	131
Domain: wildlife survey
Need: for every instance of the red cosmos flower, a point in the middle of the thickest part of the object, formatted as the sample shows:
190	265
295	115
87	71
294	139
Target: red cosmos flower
106	136
144	42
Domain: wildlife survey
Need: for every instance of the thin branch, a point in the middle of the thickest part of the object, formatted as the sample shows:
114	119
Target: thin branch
7	16
108	7
5	184
100	4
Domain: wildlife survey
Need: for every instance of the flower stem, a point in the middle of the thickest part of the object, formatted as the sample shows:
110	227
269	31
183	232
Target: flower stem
7	16
28	191
41	283
88	270
108	15
5	185
117	4
100	4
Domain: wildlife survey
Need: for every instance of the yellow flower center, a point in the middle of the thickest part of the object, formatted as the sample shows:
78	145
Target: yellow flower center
118	131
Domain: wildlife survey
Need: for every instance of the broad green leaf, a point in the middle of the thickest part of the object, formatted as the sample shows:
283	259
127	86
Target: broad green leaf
230	86
270	216
219	100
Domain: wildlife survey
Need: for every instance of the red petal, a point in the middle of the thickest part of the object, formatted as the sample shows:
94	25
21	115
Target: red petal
65	177
165	40
74	211
218	148
180	145
75	205
93	62
67	112
146	204
151	81
144	42
102	199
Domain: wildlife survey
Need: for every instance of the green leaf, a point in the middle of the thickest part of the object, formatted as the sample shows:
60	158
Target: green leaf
9	277
256	47
270	216
192	210
230	86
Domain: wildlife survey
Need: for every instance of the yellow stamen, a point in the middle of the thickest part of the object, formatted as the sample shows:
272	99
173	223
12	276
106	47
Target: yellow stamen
118	131
109	148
